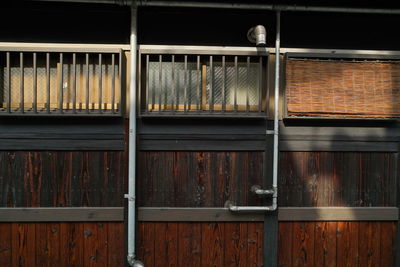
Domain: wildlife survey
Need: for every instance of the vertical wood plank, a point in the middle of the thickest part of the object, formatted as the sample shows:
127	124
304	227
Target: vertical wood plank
325	244
189	243
347	244
146	243
255	244
5	244
285	244
172	244
53	241
71	244
95	244
369	243
42	251
388	234
303	243
116	244
160	244
235	244
212	244
23	244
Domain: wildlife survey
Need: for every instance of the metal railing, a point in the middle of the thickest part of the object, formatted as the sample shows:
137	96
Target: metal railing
188	82
60	81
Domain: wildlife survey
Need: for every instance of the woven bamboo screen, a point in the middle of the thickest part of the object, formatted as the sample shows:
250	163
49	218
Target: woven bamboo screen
342	88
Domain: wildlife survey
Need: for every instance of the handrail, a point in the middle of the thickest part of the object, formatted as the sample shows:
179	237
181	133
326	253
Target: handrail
62	47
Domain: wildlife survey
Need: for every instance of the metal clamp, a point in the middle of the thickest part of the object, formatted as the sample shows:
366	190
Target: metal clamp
256	189
129	197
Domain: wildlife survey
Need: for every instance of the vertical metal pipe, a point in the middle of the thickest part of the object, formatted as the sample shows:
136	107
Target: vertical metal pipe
60	99
211	93
159	82
100	85
173	83
21	63
236	84
48	82
34	84
198	84
9	81
247	83
74	83
113	83
87	83
131	196
185	84
276	112
260	84
223	84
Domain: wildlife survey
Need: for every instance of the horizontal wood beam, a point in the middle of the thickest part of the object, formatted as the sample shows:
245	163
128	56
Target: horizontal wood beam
81	214
61	144
195	214
338	214
351	146
165	214
284	214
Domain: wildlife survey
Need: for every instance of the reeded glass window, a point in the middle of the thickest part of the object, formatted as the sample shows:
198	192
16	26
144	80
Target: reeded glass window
190	83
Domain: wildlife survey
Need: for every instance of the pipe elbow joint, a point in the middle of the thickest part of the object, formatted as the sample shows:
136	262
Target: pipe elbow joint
133	262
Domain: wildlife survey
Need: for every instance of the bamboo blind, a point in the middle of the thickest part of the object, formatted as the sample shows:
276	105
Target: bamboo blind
342	88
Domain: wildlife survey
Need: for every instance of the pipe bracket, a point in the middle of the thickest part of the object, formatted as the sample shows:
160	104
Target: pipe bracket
130	197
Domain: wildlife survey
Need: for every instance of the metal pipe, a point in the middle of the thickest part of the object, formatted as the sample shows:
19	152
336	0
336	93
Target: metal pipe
131	196
276	111
275	132
298	8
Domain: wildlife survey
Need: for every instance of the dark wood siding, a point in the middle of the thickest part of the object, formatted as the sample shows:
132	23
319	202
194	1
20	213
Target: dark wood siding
349	244
62	244
307	179
345	244
317	179
62	179
201	244
198	179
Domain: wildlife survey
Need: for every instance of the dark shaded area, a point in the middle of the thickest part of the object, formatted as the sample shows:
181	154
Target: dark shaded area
201	26
298	29
332	30
106	23
64	23
198	179
62	179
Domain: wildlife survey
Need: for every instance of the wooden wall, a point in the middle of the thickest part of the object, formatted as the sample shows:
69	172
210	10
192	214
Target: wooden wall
62	179
62	244
198	179
341	244
307	179
201	244
323	179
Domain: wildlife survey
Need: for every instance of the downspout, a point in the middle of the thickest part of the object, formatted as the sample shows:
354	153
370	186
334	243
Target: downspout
131	196
275	132
276	112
